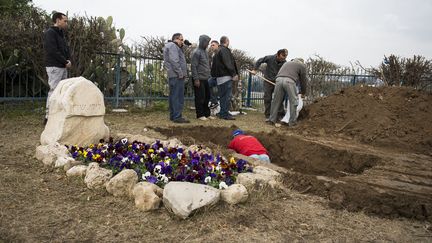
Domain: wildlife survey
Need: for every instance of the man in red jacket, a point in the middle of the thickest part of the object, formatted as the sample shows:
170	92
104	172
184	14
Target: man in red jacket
248	145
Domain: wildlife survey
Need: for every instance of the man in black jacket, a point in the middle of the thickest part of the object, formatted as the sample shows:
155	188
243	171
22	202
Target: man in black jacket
225	70
56	54
274	63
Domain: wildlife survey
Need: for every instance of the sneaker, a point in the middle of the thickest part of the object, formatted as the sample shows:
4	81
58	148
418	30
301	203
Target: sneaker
273	123
213	105
203	118
45	121
286	124
211	117
181	120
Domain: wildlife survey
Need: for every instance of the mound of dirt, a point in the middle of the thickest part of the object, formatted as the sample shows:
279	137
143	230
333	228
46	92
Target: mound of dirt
393	117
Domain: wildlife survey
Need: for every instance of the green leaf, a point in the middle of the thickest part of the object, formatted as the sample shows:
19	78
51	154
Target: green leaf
122	33
109	21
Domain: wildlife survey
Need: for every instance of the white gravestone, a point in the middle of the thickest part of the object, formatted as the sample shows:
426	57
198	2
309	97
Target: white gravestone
76	114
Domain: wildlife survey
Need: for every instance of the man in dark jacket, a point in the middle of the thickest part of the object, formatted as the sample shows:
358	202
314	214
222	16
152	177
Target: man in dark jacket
274	63
225	70
175	64
200	65
290	75
56	54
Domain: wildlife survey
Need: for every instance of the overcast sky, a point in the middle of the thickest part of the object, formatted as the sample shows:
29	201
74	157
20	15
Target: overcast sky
338	30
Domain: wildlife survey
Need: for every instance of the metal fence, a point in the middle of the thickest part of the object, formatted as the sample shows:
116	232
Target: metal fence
134	80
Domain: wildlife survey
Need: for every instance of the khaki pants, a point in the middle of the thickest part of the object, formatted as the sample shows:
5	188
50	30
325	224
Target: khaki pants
55	75
284	86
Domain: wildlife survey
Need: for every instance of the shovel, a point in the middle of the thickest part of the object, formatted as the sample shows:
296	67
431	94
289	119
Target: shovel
261	77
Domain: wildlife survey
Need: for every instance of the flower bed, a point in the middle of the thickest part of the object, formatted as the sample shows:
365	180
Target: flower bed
159	165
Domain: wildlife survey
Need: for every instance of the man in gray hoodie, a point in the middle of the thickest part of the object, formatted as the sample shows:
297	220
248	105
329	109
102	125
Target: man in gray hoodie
200	65
175	64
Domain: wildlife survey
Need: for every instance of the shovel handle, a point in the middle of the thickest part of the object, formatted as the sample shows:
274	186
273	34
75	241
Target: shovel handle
259	76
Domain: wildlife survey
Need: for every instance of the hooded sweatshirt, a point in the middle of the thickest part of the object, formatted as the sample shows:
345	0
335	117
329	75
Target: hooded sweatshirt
200	62
174	61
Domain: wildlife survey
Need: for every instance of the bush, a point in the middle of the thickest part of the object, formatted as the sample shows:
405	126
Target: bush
399	71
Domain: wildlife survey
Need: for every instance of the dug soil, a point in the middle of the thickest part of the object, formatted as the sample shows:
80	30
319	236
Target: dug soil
392	117
358	168
364	148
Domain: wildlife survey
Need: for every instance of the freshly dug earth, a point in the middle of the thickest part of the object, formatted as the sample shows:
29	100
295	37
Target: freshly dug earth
325	162
343	187
393	117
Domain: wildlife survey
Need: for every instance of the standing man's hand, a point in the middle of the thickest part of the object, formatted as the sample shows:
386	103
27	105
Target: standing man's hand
253	72
235	78
197	83
68	64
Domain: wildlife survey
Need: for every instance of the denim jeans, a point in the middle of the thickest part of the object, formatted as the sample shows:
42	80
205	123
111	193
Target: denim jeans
176	98
263	157
225	97
213	90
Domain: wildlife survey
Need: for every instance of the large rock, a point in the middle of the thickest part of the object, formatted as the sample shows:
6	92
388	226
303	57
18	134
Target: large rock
48	154
266	172
96	177
182	198
76	114
62	161
172	143
261	176
79	170
71	163
147	196
236	193
123	183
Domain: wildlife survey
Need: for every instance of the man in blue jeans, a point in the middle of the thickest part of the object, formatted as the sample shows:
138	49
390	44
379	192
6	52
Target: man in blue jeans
175	64
225	70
